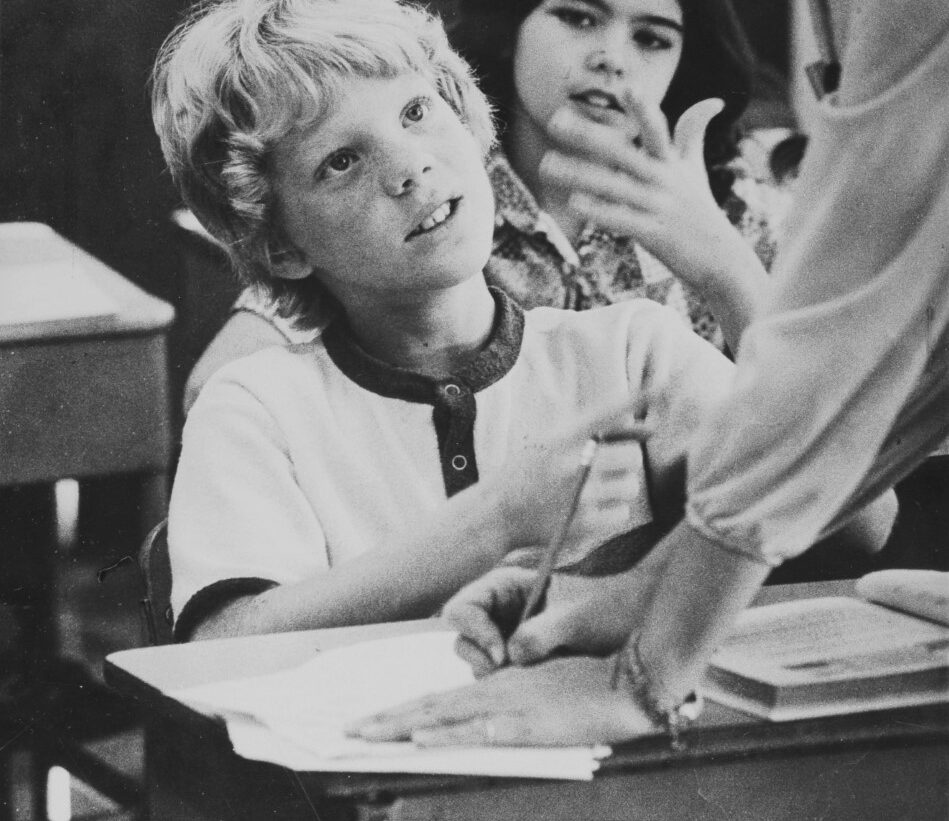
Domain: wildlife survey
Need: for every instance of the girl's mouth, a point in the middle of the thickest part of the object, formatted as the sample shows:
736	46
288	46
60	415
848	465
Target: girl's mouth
596	99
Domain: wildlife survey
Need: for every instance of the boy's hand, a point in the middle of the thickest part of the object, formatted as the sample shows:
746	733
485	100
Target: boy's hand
536	486
565	701
582	614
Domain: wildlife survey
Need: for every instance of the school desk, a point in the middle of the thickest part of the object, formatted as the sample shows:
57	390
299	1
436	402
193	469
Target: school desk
885	765
81	394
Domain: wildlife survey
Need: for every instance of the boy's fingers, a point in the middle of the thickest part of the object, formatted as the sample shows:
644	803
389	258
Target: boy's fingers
690	130
477	628
499	730
538	638
480	662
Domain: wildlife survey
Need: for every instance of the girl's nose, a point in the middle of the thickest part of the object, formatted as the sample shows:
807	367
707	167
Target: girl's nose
606	61
609	53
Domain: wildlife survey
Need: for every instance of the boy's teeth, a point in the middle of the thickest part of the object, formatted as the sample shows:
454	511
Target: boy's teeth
439	215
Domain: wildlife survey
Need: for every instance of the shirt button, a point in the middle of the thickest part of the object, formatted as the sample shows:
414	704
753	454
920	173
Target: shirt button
459	462
452	390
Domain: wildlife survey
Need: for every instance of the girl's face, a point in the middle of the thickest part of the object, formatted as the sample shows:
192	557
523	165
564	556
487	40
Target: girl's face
586	54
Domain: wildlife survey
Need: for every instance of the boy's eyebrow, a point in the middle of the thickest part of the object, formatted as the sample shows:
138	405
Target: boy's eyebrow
651	19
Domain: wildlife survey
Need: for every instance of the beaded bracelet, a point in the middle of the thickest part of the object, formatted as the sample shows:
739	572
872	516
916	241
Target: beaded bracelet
661	708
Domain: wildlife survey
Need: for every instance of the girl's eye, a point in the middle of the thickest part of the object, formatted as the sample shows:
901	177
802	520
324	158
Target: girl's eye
574	18
651	40
415	112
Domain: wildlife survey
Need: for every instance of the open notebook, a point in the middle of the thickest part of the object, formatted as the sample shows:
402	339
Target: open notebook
296	717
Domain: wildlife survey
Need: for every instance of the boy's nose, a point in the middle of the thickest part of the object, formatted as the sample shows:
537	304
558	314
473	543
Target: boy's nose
406	168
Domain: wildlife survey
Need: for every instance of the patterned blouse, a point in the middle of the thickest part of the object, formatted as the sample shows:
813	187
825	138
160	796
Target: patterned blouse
530	262
533	261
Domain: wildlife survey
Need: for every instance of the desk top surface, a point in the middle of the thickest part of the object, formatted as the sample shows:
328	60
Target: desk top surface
145	673
177	666
32	243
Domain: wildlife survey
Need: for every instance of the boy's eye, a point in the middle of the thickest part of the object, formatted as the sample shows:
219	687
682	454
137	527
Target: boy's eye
575	18
339	163
416	110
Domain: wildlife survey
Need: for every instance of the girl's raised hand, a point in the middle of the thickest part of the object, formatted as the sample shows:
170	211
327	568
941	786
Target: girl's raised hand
654	188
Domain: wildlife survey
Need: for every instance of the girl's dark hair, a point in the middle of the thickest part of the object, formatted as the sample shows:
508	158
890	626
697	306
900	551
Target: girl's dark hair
717	61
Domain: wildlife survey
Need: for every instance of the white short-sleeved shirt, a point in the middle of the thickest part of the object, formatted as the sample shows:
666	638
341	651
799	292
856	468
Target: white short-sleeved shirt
298	459
843	385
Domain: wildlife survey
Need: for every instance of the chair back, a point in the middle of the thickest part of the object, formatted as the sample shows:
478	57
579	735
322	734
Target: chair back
156	577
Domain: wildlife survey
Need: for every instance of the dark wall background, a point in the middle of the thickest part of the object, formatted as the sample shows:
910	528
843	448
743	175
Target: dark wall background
76	146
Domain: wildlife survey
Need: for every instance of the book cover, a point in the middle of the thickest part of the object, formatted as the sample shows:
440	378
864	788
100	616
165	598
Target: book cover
827	656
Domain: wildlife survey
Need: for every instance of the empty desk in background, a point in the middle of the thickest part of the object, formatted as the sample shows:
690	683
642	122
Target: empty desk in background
883	765
83	392
85	396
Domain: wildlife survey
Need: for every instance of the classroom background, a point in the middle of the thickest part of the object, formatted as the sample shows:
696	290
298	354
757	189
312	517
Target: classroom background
78	153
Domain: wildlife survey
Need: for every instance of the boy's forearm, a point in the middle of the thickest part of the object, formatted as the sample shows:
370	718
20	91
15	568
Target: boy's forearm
402	581
701	592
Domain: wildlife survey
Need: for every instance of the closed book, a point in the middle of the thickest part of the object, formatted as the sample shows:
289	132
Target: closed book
827	656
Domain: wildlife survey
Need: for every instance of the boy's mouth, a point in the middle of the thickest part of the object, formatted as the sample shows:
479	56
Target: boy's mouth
599	100
436	217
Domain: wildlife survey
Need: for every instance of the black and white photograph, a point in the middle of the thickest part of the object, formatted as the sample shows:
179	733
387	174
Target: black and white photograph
446	410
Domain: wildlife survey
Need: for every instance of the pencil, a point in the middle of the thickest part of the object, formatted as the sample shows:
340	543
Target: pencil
546	567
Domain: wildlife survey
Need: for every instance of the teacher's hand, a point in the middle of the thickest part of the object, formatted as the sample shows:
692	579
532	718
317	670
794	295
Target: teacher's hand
562	702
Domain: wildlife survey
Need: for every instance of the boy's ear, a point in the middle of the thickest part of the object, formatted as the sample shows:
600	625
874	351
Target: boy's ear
288	263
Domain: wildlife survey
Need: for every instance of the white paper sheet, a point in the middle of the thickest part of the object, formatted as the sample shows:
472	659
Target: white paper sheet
296	717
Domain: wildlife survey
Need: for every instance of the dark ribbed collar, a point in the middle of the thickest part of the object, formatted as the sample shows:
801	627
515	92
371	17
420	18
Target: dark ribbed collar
485	368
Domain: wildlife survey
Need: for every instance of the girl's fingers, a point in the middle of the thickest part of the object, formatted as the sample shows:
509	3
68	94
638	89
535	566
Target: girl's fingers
574	174
653	126
602	146
609	216
690	131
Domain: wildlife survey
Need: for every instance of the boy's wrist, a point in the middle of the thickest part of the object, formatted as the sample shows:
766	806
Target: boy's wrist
497	518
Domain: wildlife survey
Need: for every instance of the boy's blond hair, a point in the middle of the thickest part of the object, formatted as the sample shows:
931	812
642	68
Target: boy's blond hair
239	75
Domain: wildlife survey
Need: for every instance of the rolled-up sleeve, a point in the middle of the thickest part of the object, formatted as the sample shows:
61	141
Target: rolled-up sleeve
842	386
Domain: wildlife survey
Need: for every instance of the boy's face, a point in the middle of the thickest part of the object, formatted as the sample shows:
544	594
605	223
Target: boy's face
386	195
